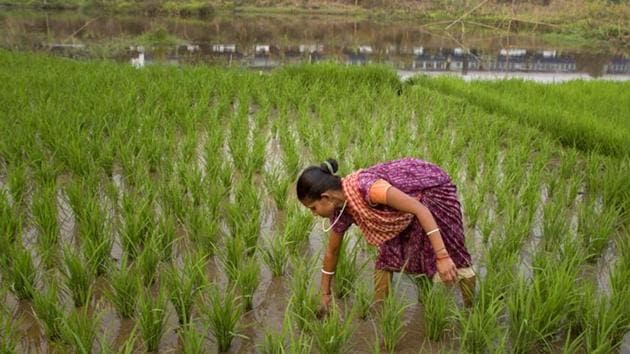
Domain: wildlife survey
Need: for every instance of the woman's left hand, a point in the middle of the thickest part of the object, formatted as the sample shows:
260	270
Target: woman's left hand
447	269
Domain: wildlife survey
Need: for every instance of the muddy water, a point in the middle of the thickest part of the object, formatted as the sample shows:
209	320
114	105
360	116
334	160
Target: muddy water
263	42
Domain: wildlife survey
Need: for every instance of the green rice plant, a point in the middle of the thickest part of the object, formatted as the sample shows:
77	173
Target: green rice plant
124	290
598	321
138	216
275	254
273	343
183	287
44	210
304	296
233	256
539	309
247	281
80	329
148	261
244	214
80	276
8	329
17	181
595	235
202	229
347	271
297	227
362	300
332	334
10	221
277	184
21	273
302	343
98	253
166	236
151	317
174	199
438	308
223	311
49	312
620	290
390	321
128	347
479	326
555	227
192	340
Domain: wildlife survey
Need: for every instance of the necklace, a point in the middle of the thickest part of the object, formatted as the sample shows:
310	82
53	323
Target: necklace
326	229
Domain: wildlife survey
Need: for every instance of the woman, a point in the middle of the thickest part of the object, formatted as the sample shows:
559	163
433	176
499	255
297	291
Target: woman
408	208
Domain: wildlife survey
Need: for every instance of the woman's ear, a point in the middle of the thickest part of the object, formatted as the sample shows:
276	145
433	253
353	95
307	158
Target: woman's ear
326	195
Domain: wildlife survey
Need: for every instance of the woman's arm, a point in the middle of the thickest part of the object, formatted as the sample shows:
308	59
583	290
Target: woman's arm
403	202
330	261
328	266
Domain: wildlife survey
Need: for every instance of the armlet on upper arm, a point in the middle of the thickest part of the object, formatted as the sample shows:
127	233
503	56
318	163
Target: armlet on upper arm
378	192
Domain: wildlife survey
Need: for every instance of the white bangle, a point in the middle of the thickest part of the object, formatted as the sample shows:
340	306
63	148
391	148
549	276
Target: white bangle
433	231
327	273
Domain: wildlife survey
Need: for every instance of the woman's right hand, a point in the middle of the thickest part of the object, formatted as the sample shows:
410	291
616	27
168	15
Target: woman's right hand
324	305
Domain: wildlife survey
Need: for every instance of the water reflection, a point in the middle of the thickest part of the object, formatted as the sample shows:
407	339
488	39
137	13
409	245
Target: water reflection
268	42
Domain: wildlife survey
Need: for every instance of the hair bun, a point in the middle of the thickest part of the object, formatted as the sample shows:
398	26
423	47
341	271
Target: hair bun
330	165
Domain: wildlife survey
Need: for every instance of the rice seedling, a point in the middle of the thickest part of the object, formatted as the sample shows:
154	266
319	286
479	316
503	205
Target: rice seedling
275	254
347	270
539	309
165	237
138	216
479	326
331	335
8	329
18	184
192	339
124	290
183	286
277	185
10	222
80	276
223	312
390	321
21	273
44	210
362	300
273	342
297	227
202	229
80	329
233	256
148	260
151	317
247	281
595	236
438	306
49	313
304	297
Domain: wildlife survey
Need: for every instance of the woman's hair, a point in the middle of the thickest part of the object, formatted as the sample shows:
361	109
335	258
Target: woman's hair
316	180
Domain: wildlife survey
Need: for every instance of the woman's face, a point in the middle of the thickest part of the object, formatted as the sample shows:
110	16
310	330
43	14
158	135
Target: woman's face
323	207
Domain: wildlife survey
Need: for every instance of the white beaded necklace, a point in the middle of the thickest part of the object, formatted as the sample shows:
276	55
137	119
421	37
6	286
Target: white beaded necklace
326	229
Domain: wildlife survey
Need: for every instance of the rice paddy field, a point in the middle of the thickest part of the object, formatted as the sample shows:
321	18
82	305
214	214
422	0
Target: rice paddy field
154	209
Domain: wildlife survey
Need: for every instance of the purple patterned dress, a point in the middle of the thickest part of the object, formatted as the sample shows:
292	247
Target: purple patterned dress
411	249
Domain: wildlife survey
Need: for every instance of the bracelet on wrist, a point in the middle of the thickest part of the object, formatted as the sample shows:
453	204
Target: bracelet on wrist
433	231
327	272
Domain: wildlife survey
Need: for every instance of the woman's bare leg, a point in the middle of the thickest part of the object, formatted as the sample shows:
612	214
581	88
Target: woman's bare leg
382	283
467	286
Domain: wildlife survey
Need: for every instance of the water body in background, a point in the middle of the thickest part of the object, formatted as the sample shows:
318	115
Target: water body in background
266	42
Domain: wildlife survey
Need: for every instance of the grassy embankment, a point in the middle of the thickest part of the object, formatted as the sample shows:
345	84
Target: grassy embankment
577	21
143	180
